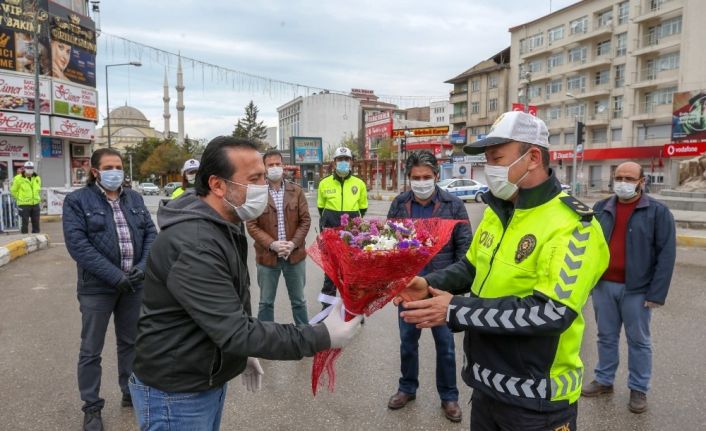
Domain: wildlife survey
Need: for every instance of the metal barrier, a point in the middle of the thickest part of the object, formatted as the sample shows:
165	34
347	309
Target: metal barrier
10	215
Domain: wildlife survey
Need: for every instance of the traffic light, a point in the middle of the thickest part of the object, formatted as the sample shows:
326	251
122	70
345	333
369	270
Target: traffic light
580	138
403	145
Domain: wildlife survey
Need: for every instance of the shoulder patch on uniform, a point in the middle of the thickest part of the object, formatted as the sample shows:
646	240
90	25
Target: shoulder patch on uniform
579	207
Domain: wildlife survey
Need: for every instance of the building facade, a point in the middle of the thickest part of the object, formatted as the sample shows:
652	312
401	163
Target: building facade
439	112
613	65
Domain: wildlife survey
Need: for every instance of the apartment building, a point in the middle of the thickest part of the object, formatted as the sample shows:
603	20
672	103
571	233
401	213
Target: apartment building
439	112
614	65
479	96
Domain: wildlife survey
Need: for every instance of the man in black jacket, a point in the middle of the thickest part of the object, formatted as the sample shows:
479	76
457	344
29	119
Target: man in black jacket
195	331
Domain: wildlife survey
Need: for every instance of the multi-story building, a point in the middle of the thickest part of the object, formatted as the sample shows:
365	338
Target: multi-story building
439	112
420	113
613	65
480	95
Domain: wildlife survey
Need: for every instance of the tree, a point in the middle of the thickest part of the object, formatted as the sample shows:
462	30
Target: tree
387	149
249	127
167	158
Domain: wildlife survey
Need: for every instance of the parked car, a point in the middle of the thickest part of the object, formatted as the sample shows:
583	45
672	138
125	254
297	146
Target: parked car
170	187
464	189
149	189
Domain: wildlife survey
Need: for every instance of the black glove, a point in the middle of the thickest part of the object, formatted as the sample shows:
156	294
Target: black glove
124	286
136	276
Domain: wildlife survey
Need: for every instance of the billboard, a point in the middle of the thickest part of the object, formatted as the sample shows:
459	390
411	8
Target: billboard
73	46
689	117
73	101
306	151
17	93
16	36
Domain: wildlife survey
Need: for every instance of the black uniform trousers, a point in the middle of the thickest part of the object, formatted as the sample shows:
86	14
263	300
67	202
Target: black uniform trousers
488	414
29	212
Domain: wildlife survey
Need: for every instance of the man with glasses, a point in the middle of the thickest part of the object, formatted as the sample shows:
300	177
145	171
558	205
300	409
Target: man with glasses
641	235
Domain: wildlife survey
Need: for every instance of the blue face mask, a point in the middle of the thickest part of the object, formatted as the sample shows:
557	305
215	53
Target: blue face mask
343	167
112	179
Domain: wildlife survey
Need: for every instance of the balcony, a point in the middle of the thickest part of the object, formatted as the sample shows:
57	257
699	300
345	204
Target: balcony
653	77
598	118
562	123
652	110
457	96
457	118
650	9
589	63
653	43
597	30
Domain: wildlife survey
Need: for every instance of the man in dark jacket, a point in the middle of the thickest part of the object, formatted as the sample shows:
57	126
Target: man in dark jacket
426	200
642	239
196	331
108	231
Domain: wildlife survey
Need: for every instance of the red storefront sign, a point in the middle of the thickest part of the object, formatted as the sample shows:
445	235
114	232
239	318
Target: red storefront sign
684	150
610	153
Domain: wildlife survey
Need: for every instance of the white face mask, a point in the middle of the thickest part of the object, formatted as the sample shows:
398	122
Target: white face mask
275	173
498	181
29	172
255	201
625	190
423	189
191	178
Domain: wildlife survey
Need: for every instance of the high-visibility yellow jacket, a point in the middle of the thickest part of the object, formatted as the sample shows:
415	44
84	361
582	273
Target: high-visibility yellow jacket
531	267
178	192
26	190
338	196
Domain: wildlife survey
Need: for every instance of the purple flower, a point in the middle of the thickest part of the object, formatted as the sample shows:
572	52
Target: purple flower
357	221
403	245
344	219
374	229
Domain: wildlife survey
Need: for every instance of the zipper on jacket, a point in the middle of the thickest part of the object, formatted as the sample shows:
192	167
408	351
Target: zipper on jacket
342	192
492	258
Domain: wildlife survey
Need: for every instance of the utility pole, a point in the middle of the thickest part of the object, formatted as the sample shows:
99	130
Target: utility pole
37	93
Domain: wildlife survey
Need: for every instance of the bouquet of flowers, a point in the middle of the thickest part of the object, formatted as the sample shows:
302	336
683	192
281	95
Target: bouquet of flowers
370	261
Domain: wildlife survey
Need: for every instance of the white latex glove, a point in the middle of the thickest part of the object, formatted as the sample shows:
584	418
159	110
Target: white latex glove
252	375
279	247
341	332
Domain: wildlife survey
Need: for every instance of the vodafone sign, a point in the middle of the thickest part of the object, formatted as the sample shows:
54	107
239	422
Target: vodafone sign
684	150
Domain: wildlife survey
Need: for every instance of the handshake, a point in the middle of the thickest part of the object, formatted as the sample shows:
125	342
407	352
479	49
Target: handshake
282	248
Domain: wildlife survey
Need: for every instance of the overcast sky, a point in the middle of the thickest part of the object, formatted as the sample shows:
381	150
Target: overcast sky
395	47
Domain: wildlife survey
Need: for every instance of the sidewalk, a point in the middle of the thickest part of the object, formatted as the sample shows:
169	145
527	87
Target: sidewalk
17	245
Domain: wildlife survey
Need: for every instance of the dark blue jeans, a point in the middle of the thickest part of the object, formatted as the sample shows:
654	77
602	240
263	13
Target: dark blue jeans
95	315
445	360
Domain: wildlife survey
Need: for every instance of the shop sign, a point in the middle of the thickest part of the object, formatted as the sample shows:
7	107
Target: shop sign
21	124
70	128
421	131
14	147
306	151
684	150
17	93
645	152
74	101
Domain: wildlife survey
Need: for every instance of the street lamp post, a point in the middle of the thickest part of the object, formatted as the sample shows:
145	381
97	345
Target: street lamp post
574	186
407	133
107	99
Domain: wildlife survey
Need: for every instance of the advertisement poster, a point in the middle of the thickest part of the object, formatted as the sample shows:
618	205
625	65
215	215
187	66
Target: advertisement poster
79	171
306	151
16	37
21	124
17	93
73	46
74	101
52	148
689	117
69	128
14	147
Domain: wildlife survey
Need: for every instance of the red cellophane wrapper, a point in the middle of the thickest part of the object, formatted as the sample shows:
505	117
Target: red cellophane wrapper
367	280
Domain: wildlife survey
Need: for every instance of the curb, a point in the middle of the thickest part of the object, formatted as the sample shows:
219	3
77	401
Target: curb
691	241
21	247
49	218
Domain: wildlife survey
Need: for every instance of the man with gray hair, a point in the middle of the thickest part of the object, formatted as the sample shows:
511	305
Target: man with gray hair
426	200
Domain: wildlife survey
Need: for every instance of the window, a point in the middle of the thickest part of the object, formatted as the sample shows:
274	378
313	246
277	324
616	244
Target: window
555	33
656	5
663	96
603	48
577	55
554	87
668	62
579	25
671	26
554	112
493	81
492	105
569	138
554	60
621	44
616	135
577	110
605	18
535	91
600	135
623	12
535	41
600	107
554	139
475	107
535	66
617	106
602	77
475	85
576	83
620	75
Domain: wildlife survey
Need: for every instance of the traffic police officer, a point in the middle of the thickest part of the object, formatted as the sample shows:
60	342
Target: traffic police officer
25	189
188	177
340	193
533	261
